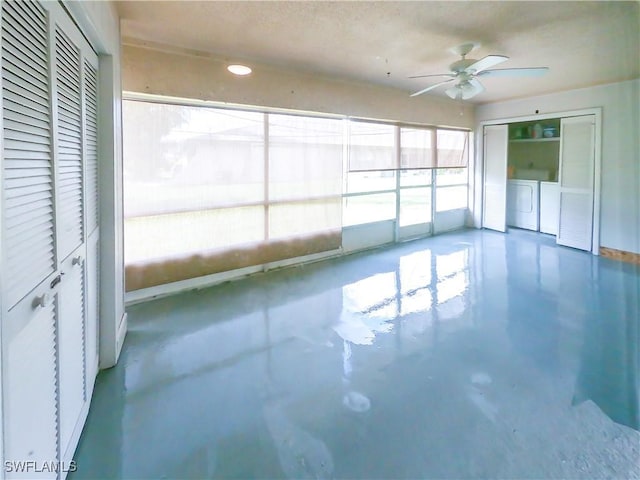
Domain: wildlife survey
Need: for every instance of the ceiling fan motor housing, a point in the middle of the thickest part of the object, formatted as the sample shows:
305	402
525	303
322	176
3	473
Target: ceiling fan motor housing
461	65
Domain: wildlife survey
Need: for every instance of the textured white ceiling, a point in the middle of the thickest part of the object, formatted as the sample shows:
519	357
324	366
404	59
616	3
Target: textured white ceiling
383	42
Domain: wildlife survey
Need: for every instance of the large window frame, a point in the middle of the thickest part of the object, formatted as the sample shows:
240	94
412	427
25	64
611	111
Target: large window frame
431	186
389	178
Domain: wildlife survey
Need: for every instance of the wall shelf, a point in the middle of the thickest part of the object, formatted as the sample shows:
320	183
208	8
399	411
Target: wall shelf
543	139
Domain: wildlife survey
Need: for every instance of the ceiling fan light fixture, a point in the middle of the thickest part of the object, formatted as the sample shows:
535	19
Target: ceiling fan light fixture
239	69
454	92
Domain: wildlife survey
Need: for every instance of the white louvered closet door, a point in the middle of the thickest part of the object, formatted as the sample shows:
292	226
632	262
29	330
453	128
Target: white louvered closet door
494	210
576	181
70	234
90	97
29	305
49	233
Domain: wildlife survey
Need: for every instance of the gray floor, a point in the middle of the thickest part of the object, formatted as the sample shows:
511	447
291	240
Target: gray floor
467	355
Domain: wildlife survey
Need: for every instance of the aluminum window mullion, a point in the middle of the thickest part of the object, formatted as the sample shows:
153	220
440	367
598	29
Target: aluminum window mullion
361	194
266	175
396	233
408	187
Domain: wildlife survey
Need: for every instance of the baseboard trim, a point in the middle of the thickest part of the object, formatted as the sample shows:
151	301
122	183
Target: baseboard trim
620	255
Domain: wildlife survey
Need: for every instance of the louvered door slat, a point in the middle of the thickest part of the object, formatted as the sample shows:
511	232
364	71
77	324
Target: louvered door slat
26	129
29	242
25	209
12	81
27	199
23	97
12	163
67	124
13	116
27	158
35	227
26	136
19	29
68	101
28	13
29	88
36	188
26	63
17	183
13	45
35	224
26	146
91	145
15	173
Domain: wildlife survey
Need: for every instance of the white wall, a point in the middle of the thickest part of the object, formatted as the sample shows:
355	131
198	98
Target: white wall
100	23
620	182
168	71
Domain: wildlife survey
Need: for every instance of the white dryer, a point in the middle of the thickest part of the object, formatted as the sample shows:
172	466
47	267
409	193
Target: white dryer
523	200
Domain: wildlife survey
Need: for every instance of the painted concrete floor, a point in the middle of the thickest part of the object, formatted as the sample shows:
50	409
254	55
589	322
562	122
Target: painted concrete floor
467	355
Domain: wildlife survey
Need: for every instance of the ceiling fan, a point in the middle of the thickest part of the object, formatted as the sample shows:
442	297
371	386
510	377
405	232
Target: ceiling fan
464	72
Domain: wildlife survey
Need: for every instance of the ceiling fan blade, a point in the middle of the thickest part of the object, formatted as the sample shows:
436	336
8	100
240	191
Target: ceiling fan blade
434	75
515	72
487	62
431	87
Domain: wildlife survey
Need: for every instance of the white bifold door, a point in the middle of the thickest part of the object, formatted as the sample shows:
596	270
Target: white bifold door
576	181
494	212
49	237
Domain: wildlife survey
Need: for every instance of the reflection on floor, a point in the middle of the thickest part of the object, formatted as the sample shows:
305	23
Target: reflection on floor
467	355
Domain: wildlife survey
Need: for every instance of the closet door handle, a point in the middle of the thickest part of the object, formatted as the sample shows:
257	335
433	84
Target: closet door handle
57	279
76	260
41	301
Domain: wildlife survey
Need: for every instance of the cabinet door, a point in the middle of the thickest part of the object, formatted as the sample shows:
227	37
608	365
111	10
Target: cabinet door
549	206
495	177
576	181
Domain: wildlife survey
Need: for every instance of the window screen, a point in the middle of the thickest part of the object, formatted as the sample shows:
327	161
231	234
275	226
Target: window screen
453	148
416	148
371	146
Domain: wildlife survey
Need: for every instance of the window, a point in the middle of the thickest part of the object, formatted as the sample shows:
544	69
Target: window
452	175
211	189
371	146
452	148
416	153
416	148
214	189
305	175
188	171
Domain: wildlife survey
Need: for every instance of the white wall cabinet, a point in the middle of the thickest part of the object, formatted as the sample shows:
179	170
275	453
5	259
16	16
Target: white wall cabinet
49	236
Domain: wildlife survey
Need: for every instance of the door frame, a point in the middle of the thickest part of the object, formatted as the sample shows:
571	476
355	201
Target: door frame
479	171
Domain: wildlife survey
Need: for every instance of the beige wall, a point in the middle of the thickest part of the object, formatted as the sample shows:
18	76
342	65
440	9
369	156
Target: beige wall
178	73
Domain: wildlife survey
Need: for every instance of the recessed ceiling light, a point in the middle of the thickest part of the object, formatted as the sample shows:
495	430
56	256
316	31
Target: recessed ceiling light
239	69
